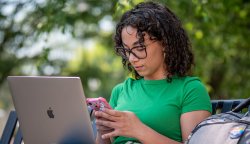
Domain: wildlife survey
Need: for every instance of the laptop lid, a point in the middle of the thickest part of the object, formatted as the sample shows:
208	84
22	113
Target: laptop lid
51	110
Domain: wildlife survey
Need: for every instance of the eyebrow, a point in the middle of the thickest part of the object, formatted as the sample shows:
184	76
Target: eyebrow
134	44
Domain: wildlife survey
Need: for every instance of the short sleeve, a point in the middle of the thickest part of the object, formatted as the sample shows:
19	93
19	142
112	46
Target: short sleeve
195	97
115	94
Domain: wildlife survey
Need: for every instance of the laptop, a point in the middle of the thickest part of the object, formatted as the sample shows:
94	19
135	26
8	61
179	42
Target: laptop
51	110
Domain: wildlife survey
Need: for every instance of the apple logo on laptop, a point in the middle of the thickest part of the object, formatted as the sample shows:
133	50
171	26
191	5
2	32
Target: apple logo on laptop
50	113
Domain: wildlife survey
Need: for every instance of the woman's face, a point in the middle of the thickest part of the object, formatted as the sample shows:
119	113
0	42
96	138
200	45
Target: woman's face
152	66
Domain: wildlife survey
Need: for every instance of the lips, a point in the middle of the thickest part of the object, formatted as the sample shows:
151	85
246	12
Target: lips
138	68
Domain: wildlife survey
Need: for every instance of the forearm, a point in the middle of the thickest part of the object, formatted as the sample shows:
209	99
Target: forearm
149	136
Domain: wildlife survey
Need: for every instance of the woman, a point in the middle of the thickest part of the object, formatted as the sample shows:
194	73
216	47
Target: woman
163	103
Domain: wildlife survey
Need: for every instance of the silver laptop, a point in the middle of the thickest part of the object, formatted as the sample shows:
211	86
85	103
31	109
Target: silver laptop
51	110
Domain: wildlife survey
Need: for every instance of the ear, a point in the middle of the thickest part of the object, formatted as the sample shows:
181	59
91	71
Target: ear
163	50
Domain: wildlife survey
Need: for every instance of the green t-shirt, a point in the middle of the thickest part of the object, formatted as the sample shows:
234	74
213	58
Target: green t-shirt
159	104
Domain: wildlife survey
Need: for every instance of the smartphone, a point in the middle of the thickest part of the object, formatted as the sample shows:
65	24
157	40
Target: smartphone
98	103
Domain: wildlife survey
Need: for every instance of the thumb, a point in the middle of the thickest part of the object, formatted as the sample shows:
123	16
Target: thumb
109	135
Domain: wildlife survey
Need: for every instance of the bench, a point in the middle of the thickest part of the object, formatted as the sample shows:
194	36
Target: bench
218	106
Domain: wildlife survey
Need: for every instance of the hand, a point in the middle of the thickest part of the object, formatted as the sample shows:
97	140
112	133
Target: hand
101	129
123	123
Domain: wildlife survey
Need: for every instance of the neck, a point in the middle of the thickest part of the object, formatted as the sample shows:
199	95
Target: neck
157	77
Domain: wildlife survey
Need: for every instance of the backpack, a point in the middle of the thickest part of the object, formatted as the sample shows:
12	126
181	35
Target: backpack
225	128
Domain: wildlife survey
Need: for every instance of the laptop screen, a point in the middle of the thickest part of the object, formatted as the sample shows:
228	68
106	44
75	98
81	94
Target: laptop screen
51	109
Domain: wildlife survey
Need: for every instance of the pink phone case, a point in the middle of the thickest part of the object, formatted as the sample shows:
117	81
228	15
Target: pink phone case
98	103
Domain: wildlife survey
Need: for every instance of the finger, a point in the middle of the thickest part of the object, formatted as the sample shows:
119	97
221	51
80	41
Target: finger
109	135
103	115
100	118
103	128
100	133
105	123
98	115
112	112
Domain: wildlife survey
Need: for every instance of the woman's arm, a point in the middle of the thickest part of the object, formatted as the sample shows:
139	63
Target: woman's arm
190	119
149	136
188	122
128	125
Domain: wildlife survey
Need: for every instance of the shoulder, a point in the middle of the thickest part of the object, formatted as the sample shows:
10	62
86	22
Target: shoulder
195	95
187	83
193	87
191	83
119	88
129	81
191	80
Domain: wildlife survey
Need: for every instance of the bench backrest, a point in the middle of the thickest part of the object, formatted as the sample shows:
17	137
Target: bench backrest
222	106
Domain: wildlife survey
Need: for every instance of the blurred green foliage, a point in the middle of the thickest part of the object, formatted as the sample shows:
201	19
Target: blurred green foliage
218	31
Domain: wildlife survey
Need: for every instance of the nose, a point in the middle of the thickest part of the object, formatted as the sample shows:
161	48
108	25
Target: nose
132	58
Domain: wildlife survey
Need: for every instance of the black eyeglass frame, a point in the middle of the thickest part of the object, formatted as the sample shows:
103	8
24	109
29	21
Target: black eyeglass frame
122	52
124	55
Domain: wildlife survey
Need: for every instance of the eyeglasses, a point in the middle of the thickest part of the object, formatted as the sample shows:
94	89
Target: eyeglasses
139	52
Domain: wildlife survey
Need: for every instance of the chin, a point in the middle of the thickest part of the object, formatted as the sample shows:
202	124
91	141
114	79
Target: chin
141	73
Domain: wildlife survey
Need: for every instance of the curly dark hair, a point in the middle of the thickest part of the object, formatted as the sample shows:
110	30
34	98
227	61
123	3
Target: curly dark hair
162	25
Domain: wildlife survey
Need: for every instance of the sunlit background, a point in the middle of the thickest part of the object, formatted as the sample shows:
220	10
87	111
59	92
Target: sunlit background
75	38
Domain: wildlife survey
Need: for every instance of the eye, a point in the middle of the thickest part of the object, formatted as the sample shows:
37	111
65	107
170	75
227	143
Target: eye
139	48
126	49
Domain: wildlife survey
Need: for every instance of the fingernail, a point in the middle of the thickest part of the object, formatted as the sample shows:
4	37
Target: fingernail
103	137
96	113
